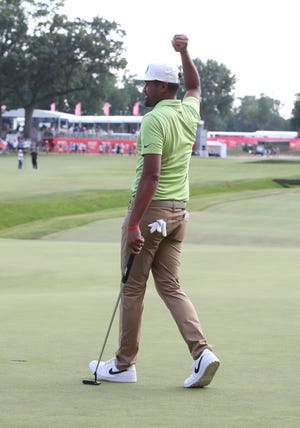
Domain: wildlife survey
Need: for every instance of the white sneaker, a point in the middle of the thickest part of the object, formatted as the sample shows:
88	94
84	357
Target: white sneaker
204	369
108	371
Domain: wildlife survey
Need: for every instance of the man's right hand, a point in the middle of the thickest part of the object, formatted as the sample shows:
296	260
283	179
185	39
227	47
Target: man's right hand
135	241
180	42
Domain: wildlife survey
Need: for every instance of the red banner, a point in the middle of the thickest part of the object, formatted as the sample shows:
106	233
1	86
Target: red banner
86	145
78	109
106	108
136	109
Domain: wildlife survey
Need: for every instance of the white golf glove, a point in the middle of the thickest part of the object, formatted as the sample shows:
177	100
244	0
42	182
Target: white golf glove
186	216
159	226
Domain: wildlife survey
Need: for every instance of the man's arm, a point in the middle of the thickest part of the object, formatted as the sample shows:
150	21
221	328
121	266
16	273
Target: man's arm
191	76
146	189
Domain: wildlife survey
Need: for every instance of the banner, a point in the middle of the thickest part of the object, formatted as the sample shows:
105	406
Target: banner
78	109
136	109
106	108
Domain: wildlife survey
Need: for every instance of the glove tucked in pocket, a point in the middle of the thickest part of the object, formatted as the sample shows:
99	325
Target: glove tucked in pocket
159	226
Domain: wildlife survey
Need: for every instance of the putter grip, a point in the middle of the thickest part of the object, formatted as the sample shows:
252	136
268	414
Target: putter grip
127	268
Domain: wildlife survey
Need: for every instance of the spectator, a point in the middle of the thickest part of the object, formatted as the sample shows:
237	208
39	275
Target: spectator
20	159
34	156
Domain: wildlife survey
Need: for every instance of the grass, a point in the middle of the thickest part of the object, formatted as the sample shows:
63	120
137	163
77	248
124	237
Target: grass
82	188
59	280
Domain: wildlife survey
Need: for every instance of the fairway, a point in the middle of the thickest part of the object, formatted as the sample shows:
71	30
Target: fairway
58	288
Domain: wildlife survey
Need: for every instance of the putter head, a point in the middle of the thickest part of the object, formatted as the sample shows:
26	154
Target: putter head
91	382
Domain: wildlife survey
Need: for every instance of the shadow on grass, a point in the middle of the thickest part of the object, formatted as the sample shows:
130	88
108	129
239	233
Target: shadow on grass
275	161
284	182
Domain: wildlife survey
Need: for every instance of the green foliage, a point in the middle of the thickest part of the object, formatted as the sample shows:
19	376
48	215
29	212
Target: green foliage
217	85
295	119
57	57
122	99
257	113
13	29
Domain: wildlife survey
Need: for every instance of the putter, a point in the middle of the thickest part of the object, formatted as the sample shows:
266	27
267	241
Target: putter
123	281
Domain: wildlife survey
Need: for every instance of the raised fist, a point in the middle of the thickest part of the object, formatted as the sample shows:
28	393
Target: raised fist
180	42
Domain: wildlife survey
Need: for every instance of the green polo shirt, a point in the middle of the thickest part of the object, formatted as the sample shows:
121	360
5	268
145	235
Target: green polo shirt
169	130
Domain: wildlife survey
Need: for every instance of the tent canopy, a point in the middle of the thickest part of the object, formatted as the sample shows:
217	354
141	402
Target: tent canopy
39	114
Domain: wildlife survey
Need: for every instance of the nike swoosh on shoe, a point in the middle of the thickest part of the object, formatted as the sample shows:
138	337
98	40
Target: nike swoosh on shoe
112	372
198	366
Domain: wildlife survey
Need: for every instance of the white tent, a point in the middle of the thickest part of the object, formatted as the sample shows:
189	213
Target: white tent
38	114
215	148
44	117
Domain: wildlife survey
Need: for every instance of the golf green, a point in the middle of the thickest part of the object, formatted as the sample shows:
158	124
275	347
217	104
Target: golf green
241	268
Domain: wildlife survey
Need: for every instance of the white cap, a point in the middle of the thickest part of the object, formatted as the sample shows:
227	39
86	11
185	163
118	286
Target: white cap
162	72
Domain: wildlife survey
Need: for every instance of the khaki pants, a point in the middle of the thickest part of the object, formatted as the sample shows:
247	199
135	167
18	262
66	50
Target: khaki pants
161	256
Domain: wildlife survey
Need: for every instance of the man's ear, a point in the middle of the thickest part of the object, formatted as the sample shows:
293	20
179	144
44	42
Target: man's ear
164	86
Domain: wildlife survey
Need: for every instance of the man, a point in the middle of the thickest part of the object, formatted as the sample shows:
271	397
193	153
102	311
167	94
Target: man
154	227
34	156
20	159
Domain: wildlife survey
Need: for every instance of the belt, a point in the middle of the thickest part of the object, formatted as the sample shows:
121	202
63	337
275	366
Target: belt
168	204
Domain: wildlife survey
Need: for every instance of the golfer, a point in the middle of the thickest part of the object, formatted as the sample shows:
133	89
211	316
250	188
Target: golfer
154	227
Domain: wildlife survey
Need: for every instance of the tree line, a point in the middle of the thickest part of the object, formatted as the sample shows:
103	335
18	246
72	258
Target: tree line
48	59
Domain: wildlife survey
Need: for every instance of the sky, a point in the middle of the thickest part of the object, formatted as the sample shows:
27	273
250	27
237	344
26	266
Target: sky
257	40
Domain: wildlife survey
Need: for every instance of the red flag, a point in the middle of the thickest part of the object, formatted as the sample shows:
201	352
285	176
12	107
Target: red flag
78	109
106	108
136	109
52	106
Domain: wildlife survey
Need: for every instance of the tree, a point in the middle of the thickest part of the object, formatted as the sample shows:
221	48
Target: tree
257	113
295	119
60	58
123	98
217	84
13	30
